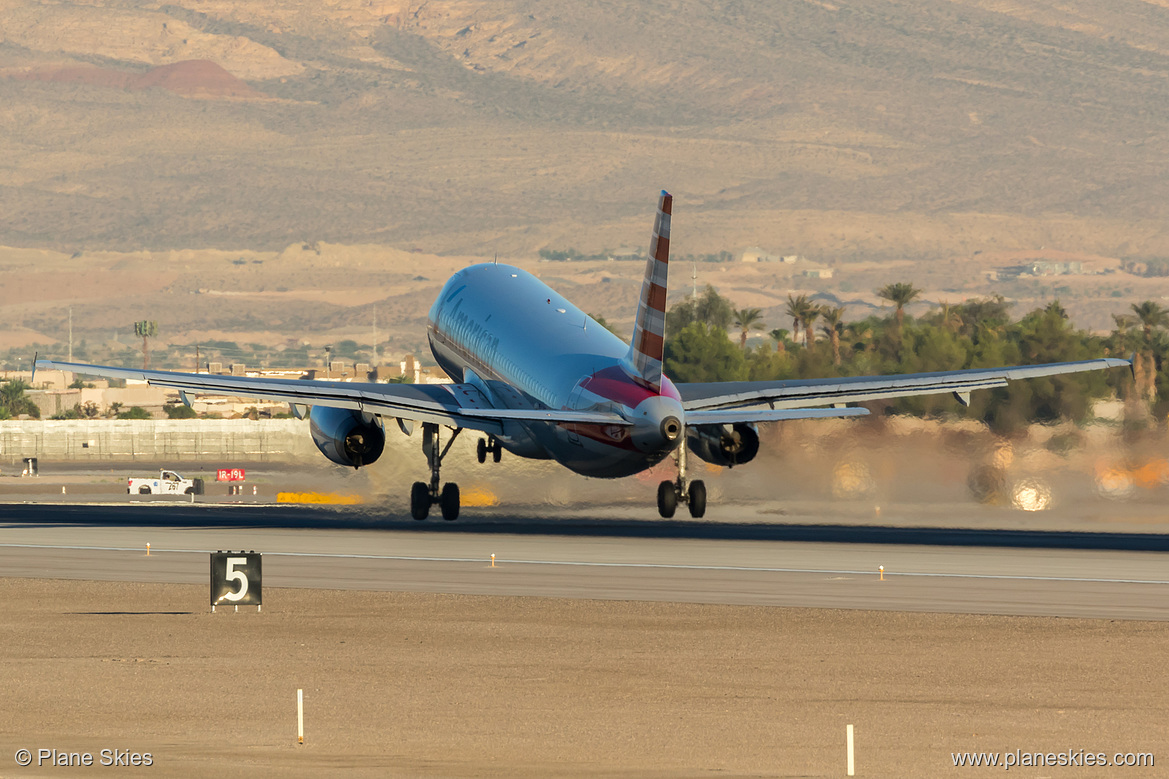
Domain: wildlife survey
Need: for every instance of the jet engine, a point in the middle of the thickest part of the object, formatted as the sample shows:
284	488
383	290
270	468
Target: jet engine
347	437
727	445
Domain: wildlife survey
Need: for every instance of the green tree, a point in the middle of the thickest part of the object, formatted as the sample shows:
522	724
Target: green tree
1151	317
1045	335
1124	324
948	316
746	320
797	308
781	337
699	353
900	295
833	325
179	411
709	308
14	402
135	412
983	317
144	330
811	314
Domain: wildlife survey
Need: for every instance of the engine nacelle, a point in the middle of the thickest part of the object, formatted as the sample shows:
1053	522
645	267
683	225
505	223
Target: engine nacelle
347	437
726	445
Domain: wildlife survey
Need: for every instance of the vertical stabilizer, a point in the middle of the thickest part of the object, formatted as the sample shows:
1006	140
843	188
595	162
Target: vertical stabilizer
649	330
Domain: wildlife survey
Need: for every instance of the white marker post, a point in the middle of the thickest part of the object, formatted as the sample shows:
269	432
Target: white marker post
848	738
300	721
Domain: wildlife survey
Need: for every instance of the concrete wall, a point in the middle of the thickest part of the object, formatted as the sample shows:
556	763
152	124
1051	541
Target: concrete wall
121	440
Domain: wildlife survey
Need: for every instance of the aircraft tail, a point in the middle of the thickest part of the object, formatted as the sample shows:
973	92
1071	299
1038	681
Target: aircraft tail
649	330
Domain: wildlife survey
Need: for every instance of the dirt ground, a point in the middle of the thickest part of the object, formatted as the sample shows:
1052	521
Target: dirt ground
400	684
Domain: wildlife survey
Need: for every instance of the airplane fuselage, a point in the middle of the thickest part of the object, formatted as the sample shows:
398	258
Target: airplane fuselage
525	346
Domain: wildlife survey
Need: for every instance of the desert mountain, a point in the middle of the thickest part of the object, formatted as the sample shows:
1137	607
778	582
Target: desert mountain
859	129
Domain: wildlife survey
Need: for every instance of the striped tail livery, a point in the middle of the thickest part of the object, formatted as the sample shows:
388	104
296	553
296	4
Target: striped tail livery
649	330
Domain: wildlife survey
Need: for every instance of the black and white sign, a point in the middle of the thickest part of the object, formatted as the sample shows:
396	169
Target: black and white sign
235	579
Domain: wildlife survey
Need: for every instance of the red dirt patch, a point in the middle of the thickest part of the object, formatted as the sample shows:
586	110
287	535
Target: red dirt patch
189	78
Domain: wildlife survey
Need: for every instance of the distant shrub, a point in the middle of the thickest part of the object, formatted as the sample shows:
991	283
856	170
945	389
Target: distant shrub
180	411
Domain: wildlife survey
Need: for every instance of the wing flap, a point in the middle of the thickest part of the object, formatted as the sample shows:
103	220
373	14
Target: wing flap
730	416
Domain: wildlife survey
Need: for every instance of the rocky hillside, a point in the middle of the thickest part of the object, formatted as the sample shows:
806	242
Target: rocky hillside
864	129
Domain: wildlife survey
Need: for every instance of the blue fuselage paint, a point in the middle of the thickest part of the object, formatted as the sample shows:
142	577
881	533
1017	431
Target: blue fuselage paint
530	347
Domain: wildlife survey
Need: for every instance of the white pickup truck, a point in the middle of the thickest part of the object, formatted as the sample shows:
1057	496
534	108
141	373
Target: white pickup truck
167	483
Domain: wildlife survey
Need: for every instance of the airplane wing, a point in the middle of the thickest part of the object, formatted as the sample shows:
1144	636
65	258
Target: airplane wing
729	416
803	393
457	405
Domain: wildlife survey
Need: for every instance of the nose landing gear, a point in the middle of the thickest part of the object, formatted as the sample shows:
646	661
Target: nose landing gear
423	495
692	493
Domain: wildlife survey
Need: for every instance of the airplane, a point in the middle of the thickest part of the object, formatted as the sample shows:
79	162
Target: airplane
543	380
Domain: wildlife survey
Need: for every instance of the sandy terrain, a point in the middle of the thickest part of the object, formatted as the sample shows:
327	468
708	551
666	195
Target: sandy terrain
430	685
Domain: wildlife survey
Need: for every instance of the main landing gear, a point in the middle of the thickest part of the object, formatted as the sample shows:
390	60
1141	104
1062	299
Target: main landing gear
488	446
692	493
423	495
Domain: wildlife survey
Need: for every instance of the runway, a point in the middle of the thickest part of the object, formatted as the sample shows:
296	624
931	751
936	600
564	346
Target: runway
1118	576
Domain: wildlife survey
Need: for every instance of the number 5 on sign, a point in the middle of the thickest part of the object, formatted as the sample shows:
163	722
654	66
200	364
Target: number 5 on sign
235	579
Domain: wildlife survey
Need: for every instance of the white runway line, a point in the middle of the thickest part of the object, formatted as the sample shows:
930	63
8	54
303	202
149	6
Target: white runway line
577	563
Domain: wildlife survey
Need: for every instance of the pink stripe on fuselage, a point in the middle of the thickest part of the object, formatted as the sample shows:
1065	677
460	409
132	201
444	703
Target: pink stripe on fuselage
616	385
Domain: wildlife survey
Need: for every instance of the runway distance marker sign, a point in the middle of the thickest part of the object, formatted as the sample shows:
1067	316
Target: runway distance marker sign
236	579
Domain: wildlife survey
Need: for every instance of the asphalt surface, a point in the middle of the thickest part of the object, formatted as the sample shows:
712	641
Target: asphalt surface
1071	574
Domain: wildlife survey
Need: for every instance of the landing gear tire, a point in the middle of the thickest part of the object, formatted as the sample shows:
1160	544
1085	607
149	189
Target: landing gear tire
667	499
449	502
419	500
486	445
697	499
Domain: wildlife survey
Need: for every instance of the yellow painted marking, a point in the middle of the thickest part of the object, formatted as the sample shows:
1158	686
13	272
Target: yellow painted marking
317	497
477	496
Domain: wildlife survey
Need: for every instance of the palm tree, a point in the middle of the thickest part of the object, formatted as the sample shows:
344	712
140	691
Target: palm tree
1151	316
860	334
899	294
810	316
780	336
833	319
949	317
795	309
747	319
145	329
14	402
